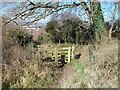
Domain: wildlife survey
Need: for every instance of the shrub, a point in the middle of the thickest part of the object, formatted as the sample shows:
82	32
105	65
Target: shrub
20	69
19	36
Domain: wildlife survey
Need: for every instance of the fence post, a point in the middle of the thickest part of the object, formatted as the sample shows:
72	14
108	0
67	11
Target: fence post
73	49
69	54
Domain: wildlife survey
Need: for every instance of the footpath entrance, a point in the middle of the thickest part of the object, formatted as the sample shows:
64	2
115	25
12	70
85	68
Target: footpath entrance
66	53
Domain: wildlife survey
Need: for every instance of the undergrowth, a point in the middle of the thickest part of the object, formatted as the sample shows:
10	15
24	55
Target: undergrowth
100	72
31	74
22	69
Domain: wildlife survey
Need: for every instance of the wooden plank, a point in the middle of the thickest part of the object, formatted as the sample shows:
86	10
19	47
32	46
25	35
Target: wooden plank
68	52
56	54
69	55
64	54
63	51
66	48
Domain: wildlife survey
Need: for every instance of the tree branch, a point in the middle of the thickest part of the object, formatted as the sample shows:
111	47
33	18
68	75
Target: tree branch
48	5
115	9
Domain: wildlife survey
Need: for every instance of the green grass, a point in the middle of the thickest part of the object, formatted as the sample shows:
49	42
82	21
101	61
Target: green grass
78	68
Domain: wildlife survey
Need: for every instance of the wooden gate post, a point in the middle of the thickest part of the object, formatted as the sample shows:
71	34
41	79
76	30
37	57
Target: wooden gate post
69	49
73	49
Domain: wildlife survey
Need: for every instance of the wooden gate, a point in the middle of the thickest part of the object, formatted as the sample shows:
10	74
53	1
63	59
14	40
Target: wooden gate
67	52
57	53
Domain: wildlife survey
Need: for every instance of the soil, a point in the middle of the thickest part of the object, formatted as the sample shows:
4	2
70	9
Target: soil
66	71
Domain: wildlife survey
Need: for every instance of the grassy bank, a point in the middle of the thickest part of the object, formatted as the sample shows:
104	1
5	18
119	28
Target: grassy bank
100	72
29	74
96	68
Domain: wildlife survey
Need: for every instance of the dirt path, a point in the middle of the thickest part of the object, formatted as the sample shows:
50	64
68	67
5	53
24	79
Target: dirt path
65	74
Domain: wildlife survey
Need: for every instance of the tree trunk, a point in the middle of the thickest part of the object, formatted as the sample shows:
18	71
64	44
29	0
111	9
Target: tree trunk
98	22
113	20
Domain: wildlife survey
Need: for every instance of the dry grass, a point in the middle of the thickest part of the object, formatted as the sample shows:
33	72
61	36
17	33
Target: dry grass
21	73
22	70
83	73
98	73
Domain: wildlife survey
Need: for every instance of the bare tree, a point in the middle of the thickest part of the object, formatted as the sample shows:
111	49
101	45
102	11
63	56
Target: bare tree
40	10
35	11
113	19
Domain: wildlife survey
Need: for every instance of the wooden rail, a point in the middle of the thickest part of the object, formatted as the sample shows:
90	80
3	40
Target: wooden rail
66	53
